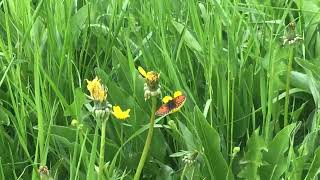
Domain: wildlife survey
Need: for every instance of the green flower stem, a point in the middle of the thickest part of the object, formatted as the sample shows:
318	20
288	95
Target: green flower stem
286	105
183	172
148	140
102	146
230	166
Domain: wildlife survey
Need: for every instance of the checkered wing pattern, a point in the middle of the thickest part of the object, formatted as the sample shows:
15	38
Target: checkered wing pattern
170	106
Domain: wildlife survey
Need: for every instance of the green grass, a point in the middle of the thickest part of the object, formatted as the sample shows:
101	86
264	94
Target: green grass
226	56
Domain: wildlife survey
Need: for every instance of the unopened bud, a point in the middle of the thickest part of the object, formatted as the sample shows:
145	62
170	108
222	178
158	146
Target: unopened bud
74	122
172	125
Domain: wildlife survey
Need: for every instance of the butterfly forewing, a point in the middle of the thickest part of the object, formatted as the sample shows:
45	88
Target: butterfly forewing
179	101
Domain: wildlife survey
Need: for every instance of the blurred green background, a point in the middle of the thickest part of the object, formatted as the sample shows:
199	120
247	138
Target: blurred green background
244	87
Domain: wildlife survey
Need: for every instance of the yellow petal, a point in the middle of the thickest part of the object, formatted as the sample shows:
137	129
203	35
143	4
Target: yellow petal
177	93
142	71
166	99
116	108
96	89
119	114
152	76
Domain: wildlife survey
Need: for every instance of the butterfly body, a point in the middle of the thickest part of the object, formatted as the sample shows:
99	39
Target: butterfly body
171	106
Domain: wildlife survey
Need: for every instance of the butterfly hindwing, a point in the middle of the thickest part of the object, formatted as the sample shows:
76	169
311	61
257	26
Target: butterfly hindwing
163	110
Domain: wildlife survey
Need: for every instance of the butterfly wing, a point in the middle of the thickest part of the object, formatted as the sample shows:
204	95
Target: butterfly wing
179	101
171	106
163	110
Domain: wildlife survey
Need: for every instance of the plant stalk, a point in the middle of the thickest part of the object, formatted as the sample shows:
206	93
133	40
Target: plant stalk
102	146
183	172
286	106
230	166
148	140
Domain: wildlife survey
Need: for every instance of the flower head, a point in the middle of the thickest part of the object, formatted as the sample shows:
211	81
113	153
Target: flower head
102	113
290	36
152	78
43	171
235	151
190	157
97	90
151	87
74	122
119	114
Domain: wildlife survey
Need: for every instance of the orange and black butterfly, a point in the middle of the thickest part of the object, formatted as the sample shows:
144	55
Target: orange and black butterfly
171	106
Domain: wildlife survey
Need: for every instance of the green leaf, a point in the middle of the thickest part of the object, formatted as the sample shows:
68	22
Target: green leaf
124	73
189	39
315	166
297	165
74	109
217	166
187	136
253	157
179	154
90	172
275	156
300	80
4	118
165	172
78	20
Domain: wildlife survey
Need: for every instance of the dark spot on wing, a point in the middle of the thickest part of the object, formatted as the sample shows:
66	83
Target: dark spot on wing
171	104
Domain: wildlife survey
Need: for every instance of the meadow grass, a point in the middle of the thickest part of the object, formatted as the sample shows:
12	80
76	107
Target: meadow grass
253	98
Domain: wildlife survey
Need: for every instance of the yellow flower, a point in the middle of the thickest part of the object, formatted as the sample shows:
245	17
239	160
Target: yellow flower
166	99
96	89
169	98
151	77
142	71
119	114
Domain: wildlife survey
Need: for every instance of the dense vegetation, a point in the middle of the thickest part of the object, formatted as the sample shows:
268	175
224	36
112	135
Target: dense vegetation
249	69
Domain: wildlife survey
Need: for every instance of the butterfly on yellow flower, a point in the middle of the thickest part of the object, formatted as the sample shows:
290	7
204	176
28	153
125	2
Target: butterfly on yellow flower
171	104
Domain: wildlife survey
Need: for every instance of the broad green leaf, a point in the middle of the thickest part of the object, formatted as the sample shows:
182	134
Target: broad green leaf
189	39
300	80
187	136
275	156
253	157
308	65
124	73
165	172
297	165
315	166
74	109
216	165
78	20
